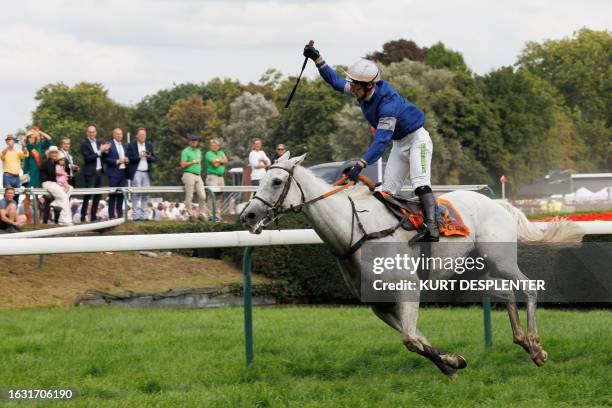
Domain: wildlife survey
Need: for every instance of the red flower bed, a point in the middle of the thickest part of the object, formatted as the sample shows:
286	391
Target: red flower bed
584	217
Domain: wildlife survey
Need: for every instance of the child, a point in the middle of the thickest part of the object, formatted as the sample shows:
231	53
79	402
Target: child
61	176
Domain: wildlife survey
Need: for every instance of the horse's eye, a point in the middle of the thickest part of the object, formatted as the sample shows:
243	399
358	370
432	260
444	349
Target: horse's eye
277	182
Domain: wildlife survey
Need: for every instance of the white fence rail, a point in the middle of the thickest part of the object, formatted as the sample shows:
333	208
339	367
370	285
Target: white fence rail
214	189
114	243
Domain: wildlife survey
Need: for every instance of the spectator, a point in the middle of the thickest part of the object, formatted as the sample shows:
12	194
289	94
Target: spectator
280	150
93	153
160	212
215	170
102	214
10	221
61	173
150	211
172	211
72	167
11	164
259	162
116	170
48	177
37	143
141	156
191	163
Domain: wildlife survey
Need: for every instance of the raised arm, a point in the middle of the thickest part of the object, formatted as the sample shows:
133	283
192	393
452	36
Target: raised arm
327	73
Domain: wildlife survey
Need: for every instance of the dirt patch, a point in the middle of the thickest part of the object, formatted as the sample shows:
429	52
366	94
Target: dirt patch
64	276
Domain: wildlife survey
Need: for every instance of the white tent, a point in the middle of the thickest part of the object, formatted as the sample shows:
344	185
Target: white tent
583	194
605	194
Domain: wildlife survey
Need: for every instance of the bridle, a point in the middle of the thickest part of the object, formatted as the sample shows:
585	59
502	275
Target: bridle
276	210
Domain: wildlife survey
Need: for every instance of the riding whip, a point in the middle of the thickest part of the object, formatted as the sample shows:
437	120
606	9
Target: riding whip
310	44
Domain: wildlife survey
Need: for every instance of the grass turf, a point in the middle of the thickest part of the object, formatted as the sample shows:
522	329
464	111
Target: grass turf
304	356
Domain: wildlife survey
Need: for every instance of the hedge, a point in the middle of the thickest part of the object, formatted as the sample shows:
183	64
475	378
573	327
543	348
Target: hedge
303	273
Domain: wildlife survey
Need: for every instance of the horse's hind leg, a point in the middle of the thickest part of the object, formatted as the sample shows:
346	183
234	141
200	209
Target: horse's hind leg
510	300
416	342
508	269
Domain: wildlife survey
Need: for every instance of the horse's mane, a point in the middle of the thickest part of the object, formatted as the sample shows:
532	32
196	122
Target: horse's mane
357	192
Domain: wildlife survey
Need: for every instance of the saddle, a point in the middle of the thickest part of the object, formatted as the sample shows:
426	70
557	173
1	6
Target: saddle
449	220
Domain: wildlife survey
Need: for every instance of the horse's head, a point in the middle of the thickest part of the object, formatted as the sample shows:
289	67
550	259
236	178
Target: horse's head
278	192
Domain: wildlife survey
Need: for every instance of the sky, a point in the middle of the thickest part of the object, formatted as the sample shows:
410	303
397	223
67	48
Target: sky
135	48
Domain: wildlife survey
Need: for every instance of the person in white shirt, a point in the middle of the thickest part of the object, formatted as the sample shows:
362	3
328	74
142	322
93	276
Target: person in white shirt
258	161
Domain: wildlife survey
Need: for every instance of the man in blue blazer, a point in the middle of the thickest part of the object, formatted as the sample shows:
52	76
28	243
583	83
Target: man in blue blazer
93	153
141	157
116	169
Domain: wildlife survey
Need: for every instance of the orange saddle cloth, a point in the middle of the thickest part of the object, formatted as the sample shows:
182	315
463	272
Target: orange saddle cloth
450	222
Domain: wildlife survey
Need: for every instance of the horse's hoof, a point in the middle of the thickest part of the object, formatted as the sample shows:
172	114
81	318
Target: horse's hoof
540	358
452	376
454	360
461	363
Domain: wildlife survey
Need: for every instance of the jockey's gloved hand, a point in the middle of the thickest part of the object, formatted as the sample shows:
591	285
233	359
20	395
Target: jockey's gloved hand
311	52
355	169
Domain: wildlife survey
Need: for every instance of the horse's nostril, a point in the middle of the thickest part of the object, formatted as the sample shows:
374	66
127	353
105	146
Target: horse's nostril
251	215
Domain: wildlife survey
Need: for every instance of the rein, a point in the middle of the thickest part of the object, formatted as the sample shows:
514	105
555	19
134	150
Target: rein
275	210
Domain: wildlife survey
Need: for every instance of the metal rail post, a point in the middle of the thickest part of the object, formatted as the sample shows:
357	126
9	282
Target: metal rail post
248	305
126	206
34	205
486	302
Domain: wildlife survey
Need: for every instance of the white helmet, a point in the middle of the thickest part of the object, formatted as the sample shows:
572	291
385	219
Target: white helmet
363	71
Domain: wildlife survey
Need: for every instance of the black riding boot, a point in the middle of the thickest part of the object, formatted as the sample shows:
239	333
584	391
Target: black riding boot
430	232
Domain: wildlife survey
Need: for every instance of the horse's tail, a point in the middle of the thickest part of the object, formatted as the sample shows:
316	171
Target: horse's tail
561	230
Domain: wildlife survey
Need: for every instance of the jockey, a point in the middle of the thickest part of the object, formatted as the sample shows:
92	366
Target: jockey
395	119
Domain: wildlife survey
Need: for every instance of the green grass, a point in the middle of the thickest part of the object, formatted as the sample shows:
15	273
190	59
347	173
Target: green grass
303	357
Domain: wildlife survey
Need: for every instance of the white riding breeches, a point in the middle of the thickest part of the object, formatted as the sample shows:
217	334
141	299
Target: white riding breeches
410	157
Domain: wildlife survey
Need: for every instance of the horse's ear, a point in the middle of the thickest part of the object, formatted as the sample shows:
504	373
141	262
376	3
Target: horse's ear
299	159
285	156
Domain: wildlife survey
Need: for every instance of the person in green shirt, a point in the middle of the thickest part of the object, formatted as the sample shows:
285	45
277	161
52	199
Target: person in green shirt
215	161
191	163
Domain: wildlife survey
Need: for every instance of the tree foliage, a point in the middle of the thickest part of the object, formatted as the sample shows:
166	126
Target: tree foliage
65	111
397	51
438	56
352	135
250	116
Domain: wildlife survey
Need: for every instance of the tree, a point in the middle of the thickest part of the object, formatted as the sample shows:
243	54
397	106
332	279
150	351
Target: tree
308	123
250	116
65	111
436	93
529	109
579	67
439	56
192	115
352	136
397	51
